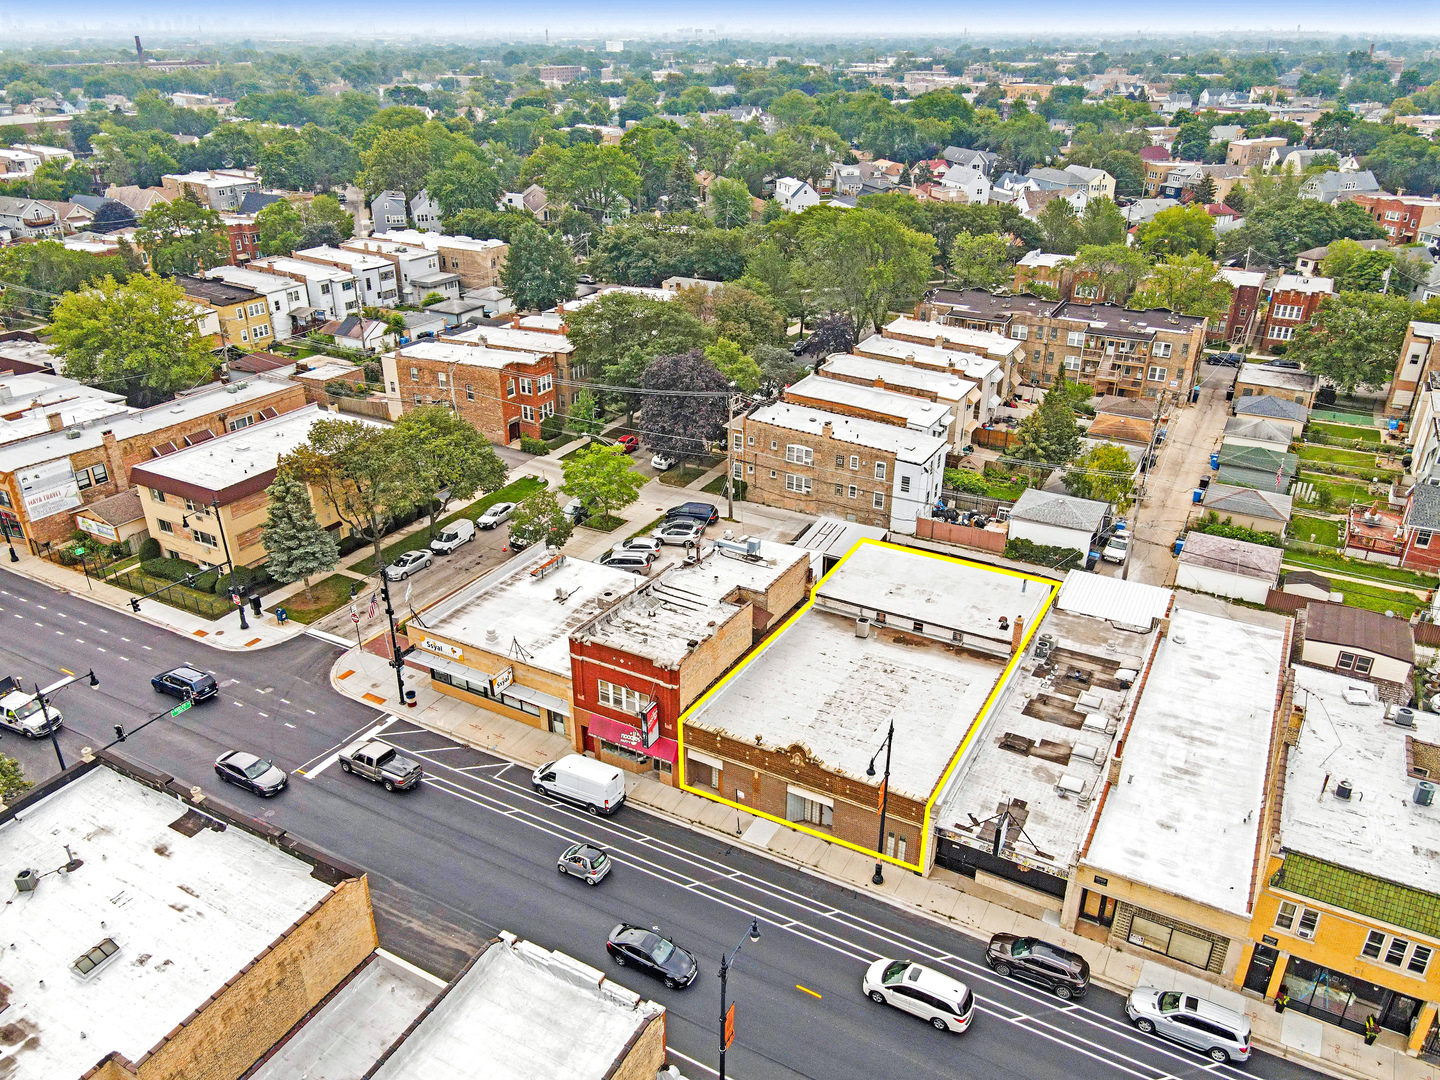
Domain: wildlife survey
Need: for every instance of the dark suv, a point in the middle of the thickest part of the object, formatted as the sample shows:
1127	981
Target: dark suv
186	681
700	511
1028	958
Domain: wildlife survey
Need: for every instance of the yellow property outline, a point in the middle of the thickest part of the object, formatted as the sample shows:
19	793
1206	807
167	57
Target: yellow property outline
919	864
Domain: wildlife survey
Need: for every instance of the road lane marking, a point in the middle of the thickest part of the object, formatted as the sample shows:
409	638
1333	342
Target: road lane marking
266	715
333	639
83	622
310	711
102	629
334	755
289	725
100	648
67	671
147	648
124	638
284	701
807	990
691	1061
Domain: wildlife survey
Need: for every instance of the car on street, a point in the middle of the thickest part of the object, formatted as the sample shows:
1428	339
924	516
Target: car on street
594	785
246	770
709	513
1220	1033
586	861
382	763
629	443
637	562
1227	359
576	511
411	562
685	531
663	462
651	952
1060	970
495	515
946	1003
641	543
459	531
518	543
1117	549
22	712
186	681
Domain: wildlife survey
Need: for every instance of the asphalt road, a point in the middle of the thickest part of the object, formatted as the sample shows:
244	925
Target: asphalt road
473	851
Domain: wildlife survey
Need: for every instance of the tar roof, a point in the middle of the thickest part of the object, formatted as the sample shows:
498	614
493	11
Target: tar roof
907	445
1063	511
914	412
986	306
1185	816
187	911
1234	556
215	293
1279	378
1356	628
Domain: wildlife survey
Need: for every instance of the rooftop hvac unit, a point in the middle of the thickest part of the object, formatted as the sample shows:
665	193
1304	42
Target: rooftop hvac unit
1402	715
747	547
862	628
1424	796
27	879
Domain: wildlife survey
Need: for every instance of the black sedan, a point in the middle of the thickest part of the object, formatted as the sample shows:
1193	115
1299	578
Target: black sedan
186	681
250	772
635	946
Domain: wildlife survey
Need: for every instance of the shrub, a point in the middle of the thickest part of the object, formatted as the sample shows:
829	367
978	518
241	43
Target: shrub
551	426
1043	554
149	549
1212	525
66	556
534	446
168	569
117	550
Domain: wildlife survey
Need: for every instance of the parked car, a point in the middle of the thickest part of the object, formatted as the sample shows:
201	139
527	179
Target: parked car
709	513
663	462
1222	1034
585	861
946	1003
495	515
576	511
252	773
21	711
518	543
1117	549
411	562
635	946
1227	359
186	681
460	531
1028	958
684	531
637	562
382	763
598	787
629	443
641	543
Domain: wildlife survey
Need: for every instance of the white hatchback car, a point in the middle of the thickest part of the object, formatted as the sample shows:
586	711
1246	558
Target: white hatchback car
663	462
495	514
407	564
945	1003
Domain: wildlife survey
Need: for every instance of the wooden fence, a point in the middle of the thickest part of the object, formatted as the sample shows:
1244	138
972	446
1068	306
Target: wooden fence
991	540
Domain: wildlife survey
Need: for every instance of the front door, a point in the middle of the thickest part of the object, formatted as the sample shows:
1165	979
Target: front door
513	431
1262	966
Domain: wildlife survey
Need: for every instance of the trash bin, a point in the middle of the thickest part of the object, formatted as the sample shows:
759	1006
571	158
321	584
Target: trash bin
410	699
1179	544
1194	394
1215	459
254	603
1198	495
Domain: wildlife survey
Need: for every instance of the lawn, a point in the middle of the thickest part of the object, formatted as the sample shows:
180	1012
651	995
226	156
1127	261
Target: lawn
1361	569
1315	530
603	523
717	487
1345	431
1358	459
646	530
579	449
682	475
1378	598
327	595
511	492
1344	494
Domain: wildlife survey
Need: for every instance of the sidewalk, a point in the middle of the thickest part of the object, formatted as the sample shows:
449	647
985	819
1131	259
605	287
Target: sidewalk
944	896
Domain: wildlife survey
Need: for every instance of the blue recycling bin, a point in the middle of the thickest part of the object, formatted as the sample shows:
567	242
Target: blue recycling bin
1215	459
1198	495
1179	544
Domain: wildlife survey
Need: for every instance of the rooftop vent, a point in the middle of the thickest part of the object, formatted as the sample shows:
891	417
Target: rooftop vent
1344	789
862	628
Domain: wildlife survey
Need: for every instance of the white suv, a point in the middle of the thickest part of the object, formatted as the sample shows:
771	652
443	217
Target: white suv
945	1003
1222	1034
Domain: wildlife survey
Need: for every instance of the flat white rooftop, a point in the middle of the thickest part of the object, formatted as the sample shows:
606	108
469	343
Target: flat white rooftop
605	290
1303	284
521	1013
507	337
984	341
188	912
305	268
1185	816
915	413
479	356
971	365
259	280
353	259
907	445
943	384
435	241
536	613
1380	830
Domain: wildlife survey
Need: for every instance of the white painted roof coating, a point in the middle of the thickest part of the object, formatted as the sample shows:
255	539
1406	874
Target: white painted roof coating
917	413
467	355
906	444
943	384
187	912
1131	604
974	365
521	1013
1185	815
993	344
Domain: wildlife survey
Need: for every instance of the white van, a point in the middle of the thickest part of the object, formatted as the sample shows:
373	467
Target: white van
459	531
598	787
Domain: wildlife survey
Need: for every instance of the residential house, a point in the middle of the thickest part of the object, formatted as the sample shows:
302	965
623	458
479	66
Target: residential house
1238	326
1401	216
477	262
504	394
1421	522
1294	299
243	314
217	189
425	212
1264	510
202	500
1332	186
1221	566
1296	159
873	403
388	211
243	235
375	278
285	298
979	162
1419	359
28	219
1250	153
555	347
330	291
1141	211
1359	643
1308	261
986	389
1055	520
819	462
1039	267
1223	218
138	199
1265	379
417	268
17	164
795	195
1278	410
974	345
1256	467
1098	183
359	334
1254	431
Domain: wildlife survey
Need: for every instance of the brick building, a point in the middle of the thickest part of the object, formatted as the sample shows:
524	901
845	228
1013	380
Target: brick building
1294	299
244	237
45	477
505	394
817	462
1238	326
873	403
554	347
1401	216
1419	359
218	189
477	262
960	395
244	314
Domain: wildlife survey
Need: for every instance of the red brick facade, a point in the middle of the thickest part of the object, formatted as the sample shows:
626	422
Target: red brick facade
1402	217
503	402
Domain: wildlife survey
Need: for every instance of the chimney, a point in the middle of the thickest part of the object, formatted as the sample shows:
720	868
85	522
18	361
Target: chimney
879	382
1017	633
828	430
57	422
515	321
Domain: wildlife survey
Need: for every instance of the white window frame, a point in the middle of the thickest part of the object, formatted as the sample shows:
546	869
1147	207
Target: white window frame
527	413
1282	333
1374	946
1020	332
879	470
1075	338
542	385
854	461
527	387
853	491
1160	349
877	500
1157	374
620	697
795	454
800	485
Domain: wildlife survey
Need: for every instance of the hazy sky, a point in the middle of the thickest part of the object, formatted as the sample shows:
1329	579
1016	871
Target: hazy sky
268	19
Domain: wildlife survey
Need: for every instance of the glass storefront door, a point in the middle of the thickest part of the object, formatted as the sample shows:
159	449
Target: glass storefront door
1345	1000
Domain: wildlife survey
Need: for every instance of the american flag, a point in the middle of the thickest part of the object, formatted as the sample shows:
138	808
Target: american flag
374	602
1279	477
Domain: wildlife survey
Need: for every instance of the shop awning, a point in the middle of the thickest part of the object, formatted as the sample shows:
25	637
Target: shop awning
423	659
612	731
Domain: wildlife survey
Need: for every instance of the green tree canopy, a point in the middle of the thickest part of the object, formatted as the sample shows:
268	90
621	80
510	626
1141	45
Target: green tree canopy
1353	339
730	203
451	455
539	271
296	546
539	519
1060	227
1105	473
466	183
183	237
732	362
1115	268
1050	434
601	478
1357	269
866	262
1190	285
980	262
1178	231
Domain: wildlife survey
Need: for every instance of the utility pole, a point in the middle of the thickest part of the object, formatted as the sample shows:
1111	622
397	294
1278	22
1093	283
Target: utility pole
230	565
394	644
729	456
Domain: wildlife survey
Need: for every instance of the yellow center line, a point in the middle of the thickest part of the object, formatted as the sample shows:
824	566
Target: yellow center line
68	672
807	990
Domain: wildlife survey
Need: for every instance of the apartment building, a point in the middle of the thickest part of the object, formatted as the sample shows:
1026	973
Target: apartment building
1419	359
477	262
553	347
1248	153
818	462
961	396
244	238
243	314
1042	268
330	291
1238	326
1294	299
417	268
1401	216
503	393
285	298
376	279
218	189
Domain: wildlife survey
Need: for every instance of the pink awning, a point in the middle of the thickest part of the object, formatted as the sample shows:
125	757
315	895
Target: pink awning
612	731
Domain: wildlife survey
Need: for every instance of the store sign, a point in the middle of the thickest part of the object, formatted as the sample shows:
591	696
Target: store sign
442	649
49	488
97	528
650	724
501	682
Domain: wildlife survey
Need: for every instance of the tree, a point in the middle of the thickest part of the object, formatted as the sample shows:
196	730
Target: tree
980	262
12	780
466	183
364	472
602	479
1356	269
735	312
831	334
1059	226
539	271
285	226
1190	285
539	519
772	273
296	546
678	420
620	333
732	362
1204	190
730	203
778	367
866	261
280	227
600	180
451	455
1178	231
398	160
1050	434
1353	339
584	416
1115	268
1105	473
1102	223
138	338
182	237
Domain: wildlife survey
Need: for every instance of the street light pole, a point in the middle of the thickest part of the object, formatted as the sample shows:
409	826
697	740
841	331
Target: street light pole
879	876
727	1026
220	527
394	644
729	456
45	708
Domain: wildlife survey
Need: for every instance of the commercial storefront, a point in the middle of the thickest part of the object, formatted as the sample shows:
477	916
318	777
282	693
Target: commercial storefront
1347	1000
626	745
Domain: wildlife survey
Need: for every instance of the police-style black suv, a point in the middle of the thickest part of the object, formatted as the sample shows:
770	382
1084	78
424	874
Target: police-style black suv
1039	962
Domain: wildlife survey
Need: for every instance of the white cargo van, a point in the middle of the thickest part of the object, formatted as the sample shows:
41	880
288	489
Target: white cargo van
459	531
598	787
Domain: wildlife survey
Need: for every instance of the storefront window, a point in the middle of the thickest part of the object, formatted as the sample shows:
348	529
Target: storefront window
482	689
1345	1000
616	750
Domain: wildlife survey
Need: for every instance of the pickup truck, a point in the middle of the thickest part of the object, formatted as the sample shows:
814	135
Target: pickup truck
20	711
381	762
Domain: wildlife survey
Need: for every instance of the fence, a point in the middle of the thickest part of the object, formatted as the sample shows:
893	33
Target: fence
994	438
377	410
173	593
1335	416
991	540
964	500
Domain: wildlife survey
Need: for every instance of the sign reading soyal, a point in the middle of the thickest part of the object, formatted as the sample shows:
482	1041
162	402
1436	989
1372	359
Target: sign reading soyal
442	649
49	488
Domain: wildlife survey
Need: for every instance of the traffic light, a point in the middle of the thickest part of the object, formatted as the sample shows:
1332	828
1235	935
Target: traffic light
119	732
135	604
